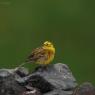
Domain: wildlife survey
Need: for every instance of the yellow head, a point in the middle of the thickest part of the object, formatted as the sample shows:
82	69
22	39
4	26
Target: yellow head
48	44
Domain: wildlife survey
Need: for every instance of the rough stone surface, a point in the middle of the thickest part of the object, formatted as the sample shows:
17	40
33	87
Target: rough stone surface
56	79
22	72
8	85
85	89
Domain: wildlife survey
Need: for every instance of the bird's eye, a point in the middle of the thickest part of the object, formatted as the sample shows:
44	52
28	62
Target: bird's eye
47	44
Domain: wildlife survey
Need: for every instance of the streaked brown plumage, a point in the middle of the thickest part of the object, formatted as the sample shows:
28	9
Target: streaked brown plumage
42	55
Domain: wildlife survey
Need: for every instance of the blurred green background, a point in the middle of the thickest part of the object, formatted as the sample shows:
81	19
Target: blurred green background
69	24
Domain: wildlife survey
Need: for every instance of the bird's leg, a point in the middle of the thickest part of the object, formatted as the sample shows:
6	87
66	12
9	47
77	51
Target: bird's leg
37	68
44	67
41	68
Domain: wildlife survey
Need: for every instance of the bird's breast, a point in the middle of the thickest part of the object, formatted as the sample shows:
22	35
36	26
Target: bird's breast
50	56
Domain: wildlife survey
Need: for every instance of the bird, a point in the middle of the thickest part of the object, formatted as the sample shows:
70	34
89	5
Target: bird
42	55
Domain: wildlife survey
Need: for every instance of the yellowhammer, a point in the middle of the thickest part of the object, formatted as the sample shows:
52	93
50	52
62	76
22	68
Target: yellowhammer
42	55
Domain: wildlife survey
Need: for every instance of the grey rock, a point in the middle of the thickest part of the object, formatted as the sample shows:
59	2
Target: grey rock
5	72
55	79
40	83
59	92
22	72
8	86
85	89
34	91
59	77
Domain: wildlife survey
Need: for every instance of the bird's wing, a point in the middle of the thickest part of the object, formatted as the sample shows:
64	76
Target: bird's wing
38	53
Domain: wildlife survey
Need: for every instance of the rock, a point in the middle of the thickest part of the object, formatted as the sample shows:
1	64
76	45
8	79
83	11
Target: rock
59	92
56	79
40	83
22	72
5	73
8	85
85	89
32	91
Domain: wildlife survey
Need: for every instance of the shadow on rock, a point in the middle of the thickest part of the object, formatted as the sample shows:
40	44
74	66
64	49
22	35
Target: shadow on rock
56	79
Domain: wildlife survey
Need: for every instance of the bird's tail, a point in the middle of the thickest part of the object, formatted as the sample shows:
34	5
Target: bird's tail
20	66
